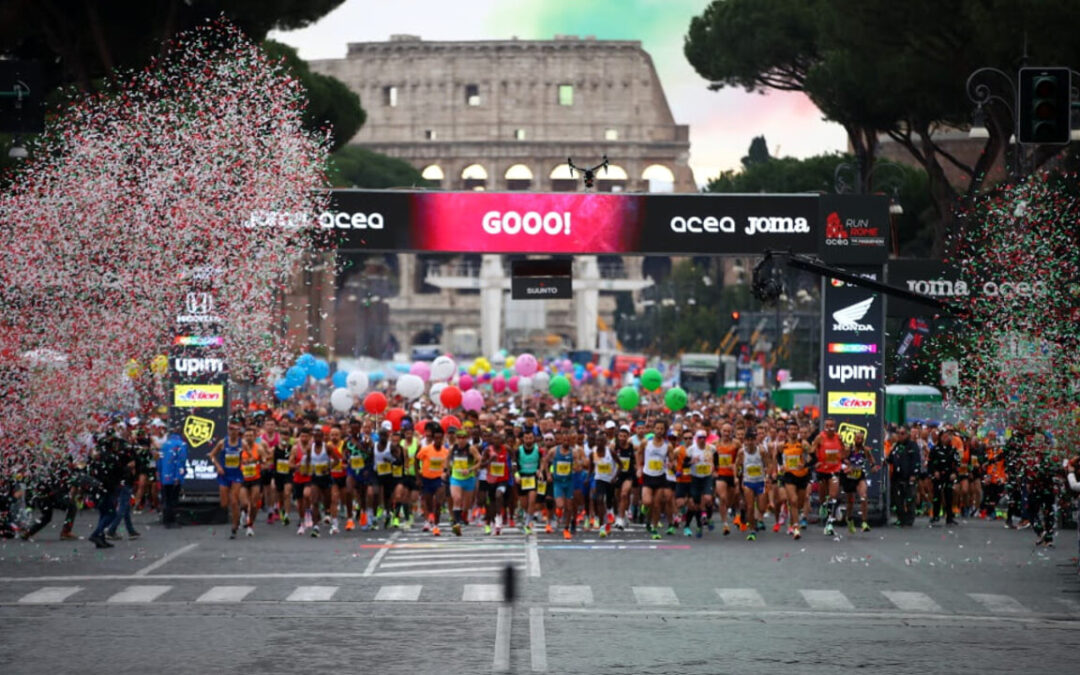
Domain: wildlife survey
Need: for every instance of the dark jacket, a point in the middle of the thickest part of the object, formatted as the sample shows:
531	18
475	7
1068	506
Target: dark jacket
905	460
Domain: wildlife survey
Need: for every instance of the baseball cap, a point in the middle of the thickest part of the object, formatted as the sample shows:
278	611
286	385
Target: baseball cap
386	425
549	416
549	436
609	424
700	434
460	433
624	428
156	422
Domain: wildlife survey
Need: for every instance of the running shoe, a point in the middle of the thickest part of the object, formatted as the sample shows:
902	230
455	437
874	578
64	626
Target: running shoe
498	530
603	534
250	531
270	518
619	525
803	523
232	535
396	523
457	529
528	530
776	527
427	526
334	529
751	537
710	524
308	522
315	531
851	526
687	532
727	530
548	529
610	518
300	530
363	519
350	525
670	530
700	531
285	519
487	529
566	534
797	534
435	531
829	530
865	526
760	526
656	535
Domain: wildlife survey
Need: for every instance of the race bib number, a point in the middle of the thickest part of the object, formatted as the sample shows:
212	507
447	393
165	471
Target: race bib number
232	461
724	461
282	466
498	470
248	470
791	462
461	465
541	486
753	471
397	471
603	467
855	473
436	464
562	468
656	465
382	468
356	462
832	456
702	470
624	462
528	482
321	469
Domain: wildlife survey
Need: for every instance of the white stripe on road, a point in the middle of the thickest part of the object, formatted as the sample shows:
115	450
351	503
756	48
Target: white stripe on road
826	600
50	594
534	557
451	572
482	593
570	595
380	554
226	594
740	597
501	662
999	604
537	640
165	560
655	595
398	594
139	594
467	559
449	553
312	594
912	601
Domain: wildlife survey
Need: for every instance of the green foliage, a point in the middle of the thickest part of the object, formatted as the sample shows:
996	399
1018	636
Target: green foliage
757	154
353	166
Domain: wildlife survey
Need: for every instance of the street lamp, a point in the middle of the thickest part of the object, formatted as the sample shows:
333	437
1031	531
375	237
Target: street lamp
18	151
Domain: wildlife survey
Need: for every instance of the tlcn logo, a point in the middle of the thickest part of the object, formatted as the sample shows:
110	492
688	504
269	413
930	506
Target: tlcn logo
198	366
844	372
848	318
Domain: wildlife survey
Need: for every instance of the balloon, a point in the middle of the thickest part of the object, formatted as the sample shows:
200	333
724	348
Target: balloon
513	382
567	365
525	385
375	402
341	399
628	398
450	397
465	382
473	370
498	383
436	389
132	369
357	382
559	386
525	365
320	370
376	376
651	380
394	415
443	368
296	376
449	421
401	367
675	399
159	365
282	390
305	361
541	380
410	386
472	400
509	361
340	379
421	369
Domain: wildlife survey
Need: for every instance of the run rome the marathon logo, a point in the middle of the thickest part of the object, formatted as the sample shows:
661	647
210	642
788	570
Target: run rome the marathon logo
848	318
199	396
530	222
728	225
195	366
851	232
852	403
844	372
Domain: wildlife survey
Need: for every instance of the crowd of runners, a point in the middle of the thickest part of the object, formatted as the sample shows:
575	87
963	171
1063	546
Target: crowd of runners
726	465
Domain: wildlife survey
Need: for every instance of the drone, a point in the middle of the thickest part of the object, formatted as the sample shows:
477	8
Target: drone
589	174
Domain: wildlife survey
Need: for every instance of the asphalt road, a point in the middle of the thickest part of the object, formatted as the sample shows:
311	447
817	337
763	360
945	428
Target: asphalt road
974	598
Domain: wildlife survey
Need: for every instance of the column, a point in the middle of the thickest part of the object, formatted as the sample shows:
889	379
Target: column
491	298
586	300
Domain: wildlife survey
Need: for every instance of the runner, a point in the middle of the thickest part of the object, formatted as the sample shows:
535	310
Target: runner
500	467
605	469
251	461
528	462
858	459
336	447
683	480
559	466
358	483
727	448
703	481
389	462
434	461
653	457
226	460
317	491
796	476
270	441
752	465
300	463
828	450
626	480
464	459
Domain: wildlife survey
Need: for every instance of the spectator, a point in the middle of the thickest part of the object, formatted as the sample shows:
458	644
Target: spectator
106	473
905	460
126	470
172	466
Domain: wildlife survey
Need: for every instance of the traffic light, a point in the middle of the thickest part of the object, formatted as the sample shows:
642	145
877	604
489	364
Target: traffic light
735	318
1044	105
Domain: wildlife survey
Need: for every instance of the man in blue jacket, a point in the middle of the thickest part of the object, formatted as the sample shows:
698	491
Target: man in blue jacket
172	466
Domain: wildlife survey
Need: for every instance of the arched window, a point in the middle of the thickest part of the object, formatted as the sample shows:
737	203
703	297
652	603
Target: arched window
474	177
433	173
659	177
612	179
518	177
563	180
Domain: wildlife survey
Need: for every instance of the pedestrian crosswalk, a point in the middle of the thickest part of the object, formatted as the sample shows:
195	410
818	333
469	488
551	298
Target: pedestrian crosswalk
469	556
660	598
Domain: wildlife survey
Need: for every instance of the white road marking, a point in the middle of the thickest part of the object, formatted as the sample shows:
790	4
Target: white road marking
534	557
999	604
312	594
912	601
655	595
139	594
826	599
398	594
537	640
740	597
501	662
380	554
226	594
464	572
50	594
450	553
570	595
166	560
482	593
413	562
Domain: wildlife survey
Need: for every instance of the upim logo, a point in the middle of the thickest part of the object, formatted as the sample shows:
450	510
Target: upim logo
843	373
531	222
198	366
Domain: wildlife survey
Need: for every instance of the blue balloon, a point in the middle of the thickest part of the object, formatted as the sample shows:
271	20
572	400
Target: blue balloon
295	376
340	379
375	376
320	370
282	390
401	367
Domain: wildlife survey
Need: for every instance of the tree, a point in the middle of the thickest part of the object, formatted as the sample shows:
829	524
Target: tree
357	167
757	154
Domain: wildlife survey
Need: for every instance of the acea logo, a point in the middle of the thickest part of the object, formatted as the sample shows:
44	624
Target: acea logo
852	403
198	430
848	318
199	396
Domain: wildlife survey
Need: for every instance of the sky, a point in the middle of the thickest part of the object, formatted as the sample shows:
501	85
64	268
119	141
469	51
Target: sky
721	123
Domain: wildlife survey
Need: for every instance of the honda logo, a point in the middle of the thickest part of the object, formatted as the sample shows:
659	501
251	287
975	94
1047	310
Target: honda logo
848	318
199	304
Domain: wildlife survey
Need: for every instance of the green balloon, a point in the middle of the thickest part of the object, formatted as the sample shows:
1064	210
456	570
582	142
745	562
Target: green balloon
675	399
559	386
651	379
628	398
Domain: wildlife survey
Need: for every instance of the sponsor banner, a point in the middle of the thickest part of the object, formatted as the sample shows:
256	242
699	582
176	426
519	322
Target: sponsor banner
198	341
199	396
945	282
842	373
198	366
198	431
541	288
851	403
852	348
855	229
847	431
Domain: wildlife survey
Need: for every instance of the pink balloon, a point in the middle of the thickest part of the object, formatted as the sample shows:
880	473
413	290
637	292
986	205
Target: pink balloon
525	365
514	384
421	369
465	382
472	400
567	365
498	383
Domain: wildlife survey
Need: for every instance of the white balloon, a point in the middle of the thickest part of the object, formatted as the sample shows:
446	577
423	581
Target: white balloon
525	385
341	399
410	386
443	368
435	390
357	382
540	380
